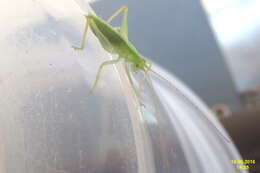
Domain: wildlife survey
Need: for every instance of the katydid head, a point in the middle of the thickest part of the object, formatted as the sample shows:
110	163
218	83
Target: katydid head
141	64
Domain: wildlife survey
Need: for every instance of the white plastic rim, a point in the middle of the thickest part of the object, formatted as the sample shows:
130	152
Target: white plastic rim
49	125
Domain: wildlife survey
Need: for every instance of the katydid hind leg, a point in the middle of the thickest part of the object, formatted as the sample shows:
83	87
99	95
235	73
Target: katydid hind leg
111	62
84	36
119	11
124	22
124	25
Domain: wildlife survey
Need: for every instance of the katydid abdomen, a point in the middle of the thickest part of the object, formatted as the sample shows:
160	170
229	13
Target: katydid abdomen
112	41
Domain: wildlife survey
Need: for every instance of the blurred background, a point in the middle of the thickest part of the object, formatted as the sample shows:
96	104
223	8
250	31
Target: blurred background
213	46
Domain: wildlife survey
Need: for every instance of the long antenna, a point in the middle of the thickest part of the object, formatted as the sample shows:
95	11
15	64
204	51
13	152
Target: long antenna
189	101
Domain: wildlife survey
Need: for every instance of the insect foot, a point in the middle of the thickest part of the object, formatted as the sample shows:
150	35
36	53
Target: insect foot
77	48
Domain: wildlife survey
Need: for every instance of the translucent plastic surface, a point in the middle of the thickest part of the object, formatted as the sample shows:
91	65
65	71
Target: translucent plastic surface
201	137
49	125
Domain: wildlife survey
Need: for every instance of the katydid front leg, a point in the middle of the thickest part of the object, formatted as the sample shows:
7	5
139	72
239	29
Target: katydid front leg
84	36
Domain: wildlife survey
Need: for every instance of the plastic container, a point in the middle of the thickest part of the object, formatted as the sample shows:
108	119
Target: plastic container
49	125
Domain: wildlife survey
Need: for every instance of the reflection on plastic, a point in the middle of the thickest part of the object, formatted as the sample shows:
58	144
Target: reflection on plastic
47	124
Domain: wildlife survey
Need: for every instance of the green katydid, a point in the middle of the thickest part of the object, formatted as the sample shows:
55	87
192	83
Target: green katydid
115	40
